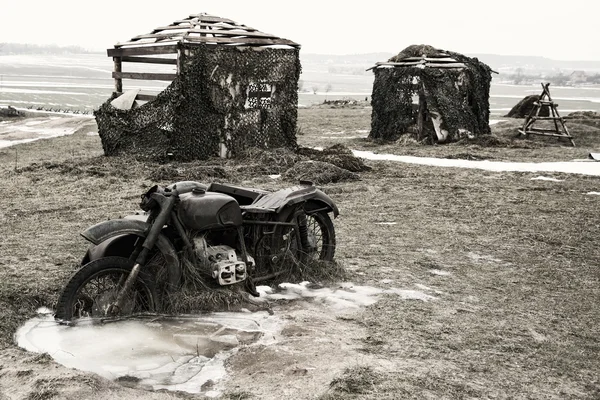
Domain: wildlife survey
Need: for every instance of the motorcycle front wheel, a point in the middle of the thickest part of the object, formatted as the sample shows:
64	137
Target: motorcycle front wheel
94	287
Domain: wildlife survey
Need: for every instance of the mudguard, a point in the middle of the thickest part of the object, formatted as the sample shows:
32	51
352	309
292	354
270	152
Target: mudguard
108	239
277	201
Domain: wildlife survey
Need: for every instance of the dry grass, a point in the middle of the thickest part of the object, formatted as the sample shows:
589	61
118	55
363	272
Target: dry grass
350	127
516	316
355	381
319	172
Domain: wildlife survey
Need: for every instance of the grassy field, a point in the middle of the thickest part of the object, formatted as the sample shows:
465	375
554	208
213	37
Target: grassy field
512	262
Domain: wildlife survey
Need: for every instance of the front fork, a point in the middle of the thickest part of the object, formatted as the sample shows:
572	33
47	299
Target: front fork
166	206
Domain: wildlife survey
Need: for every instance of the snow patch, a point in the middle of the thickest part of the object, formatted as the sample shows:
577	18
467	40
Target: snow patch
477	258
568	167
439	272
345	296
545	178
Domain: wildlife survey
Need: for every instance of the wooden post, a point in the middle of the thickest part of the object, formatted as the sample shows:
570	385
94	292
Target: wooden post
180	58
421	116
422	112
118	80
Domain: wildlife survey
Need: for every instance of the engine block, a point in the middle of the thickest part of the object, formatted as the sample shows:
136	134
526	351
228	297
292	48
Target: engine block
227	269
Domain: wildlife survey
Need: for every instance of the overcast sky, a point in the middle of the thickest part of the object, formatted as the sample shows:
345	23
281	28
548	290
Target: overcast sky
566	30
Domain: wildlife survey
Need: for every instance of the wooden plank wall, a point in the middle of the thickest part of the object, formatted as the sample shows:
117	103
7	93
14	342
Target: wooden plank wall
141	55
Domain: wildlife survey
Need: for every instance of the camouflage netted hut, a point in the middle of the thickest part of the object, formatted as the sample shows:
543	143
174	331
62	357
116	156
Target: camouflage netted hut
232	87
432	94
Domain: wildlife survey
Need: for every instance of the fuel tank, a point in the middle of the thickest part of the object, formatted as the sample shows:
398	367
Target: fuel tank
200	210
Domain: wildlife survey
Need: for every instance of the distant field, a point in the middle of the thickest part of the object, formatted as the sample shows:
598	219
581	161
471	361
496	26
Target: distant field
83	82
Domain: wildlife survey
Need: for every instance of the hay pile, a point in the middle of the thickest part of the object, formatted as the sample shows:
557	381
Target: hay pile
524	107
338	155
318	172
415	50
268	162
332	164
584	115
190	172
587	118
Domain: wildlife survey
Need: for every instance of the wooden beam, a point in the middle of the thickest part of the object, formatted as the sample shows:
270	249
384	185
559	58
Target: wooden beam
150	60
258	42
449	65
400	64
144	75
211	18
542	131
224	32
530	132
547	118
117	70
142	96
188	24
141	51
439	59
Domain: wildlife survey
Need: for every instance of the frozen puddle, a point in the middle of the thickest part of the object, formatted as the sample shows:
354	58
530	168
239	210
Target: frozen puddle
175	353
186	353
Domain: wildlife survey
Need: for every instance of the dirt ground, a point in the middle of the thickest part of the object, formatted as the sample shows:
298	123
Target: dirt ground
511	262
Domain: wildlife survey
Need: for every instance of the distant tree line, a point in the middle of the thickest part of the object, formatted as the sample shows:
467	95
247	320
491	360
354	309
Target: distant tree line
25	48
559	79
349	70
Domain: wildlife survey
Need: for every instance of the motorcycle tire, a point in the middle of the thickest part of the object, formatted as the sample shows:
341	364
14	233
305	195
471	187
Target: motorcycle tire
320	230
322	221
94	287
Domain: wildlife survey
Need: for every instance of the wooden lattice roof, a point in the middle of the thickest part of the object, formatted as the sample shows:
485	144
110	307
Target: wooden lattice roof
204	28
422	56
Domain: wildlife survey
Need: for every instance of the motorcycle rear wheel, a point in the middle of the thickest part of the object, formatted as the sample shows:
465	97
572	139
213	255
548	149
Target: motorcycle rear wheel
94	287
321	233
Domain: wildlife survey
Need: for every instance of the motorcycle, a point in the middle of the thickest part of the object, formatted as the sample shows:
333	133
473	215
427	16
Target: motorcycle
231	235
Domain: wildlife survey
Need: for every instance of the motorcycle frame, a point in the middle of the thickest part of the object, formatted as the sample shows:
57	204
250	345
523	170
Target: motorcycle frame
305	200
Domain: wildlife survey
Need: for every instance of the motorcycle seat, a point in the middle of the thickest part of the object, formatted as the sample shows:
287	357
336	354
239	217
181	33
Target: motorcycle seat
244	196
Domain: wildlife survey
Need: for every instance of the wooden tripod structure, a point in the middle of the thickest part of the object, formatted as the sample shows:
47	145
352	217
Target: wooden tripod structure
534	116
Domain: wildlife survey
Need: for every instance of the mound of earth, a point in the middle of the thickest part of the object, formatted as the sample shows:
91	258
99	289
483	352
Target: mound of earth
345	103
319	172
524	107
9	112
338	155
584	115
200	173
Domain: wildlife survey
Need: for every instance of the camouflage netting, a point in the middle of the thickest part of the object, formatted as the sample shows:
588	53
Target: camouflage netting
459	96
224	100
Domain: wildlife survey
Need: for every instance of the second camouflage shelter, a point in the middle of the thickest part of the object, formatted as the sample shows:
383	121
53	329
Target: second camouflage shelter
233	88
435	95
